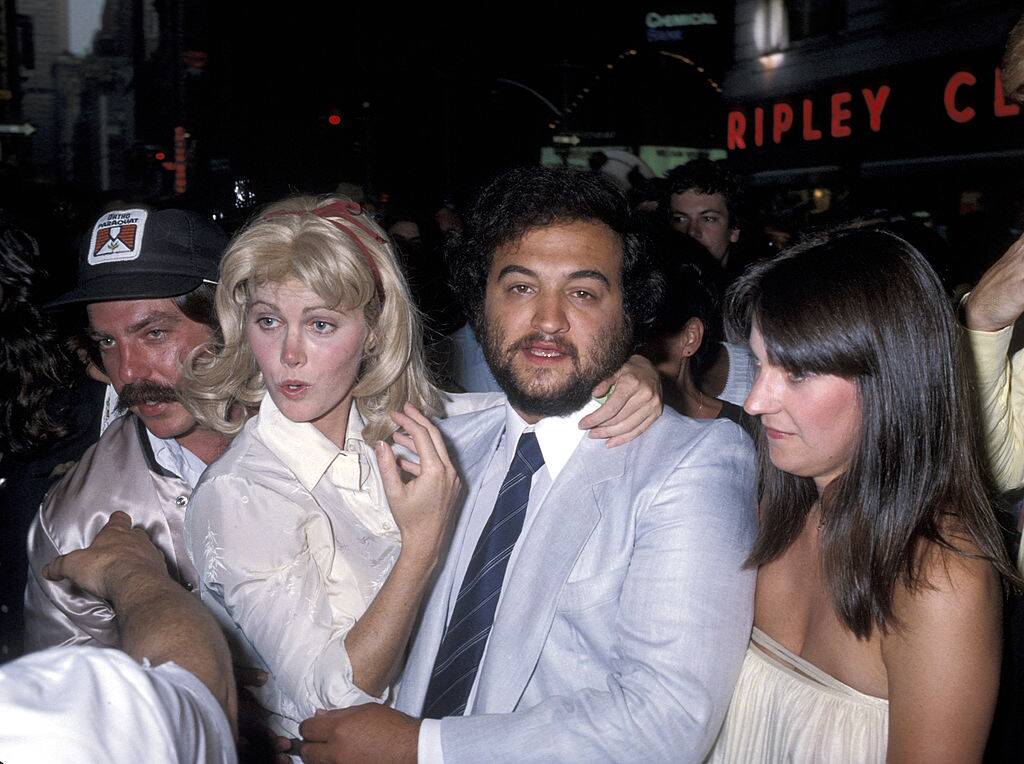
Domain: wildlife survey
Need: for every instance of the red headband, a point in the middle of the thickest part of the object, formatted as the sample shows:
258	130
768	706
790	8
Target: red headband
349	211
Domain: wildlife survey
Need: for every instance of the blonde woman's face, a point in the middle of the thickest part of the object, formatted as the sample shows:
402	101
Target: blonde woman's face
309	354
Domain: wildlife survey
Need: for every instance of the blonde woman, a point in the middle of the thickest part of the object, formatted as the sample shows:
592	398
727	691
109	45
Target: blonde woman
310	548
304	536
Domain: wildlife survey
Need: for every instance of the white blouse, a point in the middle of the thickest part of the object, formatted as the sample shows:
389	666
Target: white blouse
292	538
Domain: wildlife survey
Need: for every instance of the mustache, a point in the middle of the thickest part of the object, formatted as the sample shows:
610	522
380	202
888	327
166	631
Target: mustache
563	347
135	393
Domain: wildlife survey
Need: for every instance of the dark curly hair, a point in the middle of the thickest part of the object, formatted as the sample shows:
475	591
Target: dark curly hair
35	363
526	198
706	177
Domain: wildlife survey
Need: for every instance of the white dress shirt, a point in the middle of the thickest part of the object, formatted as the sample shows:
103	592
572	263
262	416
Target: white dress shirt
557	437
292	539
175	458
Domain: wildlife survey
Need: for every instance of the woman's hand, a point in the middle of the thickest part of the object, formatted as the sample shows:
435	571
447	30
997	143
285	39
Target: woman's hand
422	507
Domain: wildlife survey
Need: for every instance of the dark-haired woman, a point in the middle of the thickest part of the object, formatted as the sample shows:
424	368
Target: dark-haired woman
877	614
684	342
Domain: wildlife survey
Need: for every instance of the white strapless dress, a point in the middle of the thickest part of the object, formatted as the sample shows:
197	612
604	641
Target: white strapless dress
785	709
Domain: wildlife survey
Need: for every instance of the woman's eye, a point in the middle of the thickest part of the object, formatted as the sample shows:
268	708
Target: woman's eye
796	377
266	322
322	326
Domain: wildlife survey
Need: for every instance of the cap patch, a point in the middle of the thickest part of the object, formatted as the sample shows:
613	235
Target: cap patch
117	236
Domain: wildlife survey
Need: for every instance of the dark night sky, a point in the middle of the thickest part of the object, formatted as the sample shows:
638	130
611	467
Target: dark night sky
437	120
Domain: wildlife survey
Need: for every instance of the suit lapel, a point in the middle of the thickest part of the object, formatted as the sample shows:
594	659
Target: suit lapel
548	552
472	439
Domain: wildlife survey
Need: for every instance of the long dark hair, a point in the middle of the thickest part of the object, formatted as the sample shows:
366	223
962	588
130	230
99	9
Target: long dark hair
35	362
866	306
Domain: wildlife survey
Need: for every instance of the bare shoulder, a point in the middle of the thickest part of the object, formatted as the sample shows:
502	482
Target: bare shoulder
942	660
958	592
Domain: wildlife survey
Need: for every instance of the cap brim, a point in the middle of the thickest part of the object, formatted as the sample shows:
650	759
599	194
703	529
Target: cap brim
127	287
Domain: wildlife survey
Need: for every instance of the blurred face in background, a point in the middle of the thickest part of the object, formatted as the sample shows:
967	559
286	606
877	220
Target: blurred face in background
705	217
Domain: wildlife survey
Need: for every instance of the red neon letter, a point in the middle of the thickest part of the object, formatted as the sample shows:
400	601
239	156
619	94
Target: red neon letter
1002	108
737	128
811	133
875	103
758	126
949	97
782	120
841	114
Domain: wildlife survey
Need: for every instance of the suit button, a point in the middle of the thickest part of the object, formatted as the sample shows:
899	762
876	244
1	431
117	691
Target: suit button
3	482
181	501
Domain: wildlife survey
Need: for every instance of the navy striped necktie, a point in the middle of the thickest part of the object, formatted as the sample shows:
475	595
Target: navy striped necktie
458	657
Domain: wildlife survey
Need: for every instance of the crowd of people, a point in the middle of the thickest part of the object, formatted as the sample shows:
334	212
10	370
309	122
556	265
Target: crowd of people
269	498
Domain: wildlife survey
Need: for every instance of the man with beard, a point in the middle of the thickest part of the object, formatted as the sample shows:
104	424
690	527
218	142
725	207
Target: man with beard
594	604
147	281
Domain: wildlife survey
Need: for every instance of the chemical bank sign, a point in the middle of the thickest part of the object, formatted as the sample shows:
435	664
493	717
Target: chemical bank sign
669	27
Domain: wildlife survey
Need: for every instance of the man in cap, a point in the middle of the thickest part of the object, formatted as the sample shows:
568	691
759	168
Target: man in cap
147	282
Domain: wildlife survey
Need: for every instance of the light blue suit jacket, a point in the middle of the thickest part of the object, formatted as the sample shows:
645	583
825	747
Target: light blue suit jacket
624	621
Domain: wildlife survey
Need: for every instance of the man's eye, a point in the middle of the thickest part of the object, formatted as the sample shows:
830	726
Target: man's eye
796	377
156	334
520	289
711	218
104	343
582	294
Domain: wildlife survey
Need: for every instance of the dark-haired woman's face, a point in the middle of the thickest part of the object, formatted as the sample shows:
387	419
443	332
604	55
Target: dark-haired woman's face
811	422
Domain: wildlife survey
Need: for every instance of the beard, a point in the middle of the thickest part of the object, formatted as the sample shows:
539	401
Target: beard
136	393
604	355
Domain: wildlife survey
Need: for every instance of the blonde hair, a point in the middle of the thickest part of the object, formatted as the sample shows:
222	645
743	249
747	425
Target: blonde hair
298	239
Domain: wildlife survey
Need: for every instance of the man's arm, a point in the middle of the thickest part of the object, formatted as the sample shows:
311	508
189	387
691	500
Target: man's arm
159	621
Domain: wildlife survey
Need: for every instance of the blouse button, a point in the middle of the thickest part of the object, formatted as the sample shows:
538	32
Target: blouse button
181	501
387	526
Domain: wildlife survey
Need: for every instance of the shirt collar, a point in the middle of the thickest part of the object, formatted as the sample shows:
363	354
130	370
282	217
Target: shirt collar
308	453
558	436
175	458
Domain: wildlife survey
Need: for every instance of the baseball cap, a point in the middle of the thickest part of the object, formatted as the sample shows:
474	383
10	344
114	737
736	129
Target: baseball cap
136	254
